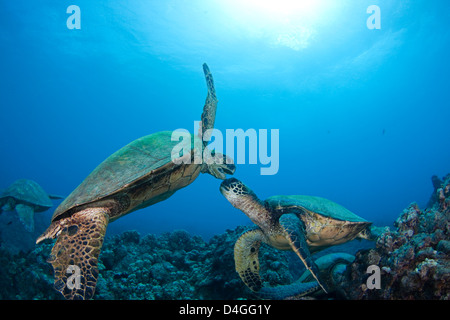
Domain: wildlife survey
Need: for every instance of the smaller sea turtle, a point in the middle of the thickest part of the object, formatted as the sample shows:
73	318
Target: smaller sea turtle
331	268
26	197
303	224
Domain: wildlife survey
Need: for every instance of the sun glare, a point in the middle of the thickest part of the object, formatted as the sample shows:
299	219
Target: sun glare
288	23
285	8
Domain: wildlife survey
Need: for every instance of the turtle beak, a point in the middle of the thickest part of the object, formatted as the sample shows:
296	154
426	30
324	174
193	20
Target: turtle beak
230	190
224	187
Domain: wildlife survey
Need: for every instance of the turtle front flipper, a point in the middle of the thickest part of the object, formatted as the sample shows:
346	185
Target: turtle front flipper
295	235
75	254
218	164
26	216
246	258
209	110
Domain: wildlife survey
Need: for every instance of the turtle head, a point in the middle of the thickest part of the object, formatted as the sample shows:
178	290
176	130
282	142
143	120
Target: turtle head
218	165
235	190
8	204
244	199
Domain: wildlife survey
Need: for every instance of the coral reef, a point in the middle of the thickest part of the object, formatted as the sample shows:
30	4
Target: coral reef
173	265
177	265
413	258
26	275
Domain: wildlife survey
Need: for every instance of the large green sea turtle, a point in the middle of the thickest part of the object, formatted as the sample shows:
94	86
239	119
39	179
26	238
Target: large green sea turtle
26	197
139	175
303	224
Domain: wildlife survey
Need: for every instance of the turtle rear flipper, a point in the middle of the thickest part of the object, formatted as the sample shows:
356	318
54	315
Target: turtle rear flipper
296	238
294	290
246	260
26	216
75	254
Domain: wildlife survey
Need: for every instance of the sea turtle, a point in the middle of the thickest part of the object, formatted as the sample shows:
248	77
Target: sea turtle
300	223
26	197
139	175
331	268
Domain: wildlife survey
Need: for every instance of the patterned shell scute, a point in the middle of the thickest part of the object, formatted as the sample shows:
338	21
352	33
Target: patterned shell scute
318	205
122	169
28	191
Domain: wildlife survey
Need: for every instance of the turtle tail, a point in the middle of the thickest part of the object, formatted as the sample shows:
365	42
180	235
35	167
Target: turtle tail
75	254
294	290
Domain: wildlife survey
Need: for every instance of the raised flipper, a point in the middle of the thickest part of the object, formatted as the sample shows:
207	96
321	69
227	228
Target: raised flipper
80	239
26	216
210	107
246	259
296	237
216	164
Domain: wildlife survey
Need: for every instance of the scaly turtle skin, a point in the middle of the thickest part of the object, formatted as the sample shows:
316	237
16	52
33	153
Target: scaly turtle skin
331	268
303	224
26	197
136	176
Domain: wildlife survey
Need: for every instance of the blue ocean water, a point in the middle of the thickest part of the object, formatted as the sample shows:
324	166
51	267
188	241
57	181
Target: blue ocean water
362	113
